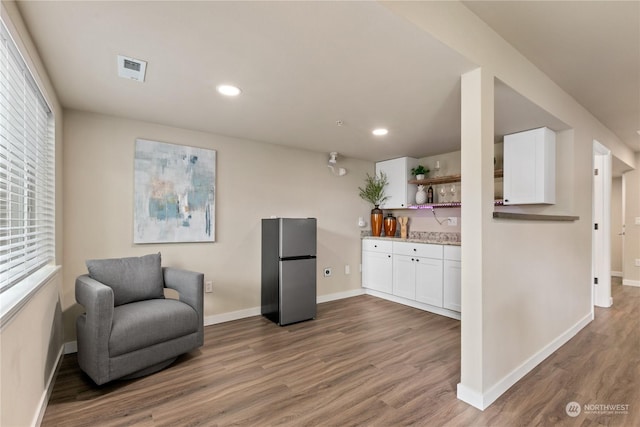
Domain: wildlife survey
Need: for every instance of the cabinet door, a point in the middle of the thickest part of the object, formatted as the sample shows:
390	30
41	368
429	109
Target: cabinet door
452	285
399	192
529	167
429	281
404	276
377	271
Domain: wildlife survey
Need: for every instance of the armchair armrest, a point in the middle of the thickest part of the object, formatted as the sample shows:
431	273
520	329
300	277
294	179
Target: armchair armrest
94	328
97	300
189	286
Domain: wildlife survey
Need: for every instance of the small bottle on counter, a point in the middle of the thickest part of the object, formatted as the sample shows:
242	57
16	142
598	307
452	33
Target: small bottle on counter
430	194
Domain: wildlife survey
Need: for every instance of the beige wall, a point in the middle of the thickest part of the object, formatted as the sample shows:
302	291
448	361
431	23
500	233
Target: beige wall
616	226
31	343
631	273
525	284
254	181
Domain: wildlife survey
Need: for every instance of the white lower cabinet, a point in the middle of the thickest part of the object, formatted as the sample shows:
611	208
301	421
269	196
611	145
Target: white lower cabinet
418	279
377	265
452	299
429	281
452	278
404	276
422	275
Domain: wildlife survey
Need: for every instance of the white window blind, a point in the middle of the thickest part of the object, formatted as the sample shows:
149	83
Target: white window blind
27	188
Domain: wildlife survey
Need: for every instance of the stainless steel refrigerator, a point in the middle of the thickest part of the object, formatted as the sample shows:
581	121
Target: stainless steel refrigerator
289	269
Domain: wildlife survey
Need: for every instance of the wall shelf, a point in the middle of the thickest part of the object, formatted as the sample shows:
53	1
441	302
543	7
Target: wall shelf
534	217
498	173
448	205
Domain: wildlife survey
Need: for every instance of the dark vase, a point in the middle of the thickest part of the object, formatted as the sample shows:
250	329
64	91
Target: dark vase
390	225
376	221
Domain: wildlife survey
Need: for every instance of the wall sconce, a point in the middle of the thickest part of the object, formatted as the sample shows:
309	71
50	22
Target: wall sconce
333	156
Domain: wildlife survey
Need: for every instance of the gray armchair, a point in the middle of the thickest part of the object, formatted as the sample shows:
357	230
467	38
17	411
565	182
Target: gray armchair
129	328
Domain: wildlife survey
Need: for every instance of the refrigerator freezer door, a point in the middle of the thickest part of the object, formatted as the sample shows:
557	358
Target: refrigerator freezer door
297	237
297	290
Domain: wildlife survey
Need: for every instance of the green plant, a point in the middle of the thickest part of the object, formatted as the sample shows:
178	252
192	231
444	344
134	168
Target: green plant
419	170
373	191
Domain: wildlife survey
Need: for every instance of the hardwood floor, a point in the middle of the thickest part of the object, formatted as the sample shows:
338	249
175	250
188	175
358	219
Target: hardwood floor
362	362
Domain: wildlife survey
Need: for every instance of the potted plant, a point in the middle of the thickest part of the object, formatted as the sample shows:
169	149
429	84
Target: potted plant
373	192
419	171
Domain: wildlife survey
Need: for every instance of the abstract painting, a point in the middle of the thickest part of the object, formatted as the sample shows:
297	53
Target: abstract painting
174	193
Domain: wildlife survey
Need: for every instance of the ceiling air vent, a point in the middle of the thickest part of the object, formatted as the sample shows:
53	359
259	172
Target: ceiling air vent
130	68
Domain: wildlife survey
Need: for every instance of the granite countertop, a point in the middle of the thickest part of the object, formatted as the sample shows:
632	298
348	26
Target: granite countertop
433	237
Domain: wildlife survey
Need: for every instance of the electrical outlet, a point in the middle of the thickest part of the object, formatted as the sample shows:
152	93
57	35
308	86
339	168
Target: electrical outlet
327	271
638	220
208	286
347	269
637	262
452	220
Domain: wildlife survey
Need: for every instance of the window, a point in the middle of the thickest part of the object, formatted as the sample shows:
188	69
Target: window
27	189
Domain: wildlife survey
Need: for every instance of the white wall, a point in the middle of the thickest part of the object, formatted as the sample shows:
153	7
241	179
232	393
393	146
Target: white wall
616	226
31	343
525	284
631	179
254	181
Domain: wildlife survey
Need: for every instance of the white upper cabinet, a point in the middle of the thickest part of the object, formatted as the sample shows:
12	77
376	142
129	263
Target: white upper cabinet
530	167
398	171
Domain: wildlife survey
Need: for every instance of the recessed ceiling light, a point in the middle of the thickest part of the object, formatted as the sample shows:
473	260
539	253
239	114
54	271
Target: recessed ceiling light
228	90
380	131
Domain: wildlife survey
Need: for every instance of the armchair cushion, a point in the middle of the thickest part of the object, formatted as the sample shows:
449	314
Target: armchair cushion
132	279
145	323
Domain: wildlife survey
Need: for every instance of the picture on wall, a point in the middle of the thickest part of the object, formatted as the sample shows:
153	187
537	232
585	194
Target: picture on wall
174	193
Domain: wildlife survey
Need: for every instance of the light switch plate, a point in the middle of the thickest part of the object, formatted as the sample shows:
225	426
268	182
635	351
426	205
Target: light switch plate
638	220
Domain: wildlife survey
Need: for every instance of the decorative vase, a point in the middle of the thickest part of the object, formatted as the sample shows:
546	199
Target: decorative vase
376	221
421	195
390	225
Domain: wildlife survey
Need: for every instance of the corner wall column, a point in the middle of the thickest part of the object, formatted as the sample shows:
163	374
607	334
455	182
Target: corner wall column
477	134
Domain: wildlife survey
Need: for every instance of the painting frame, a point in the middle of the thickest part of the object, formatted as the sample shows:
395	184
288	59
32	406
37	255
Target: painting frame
174	193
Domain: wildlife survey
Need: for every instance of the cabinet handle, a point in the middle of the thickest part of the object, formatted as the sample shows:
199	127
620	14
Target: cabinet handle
388	256
417	260
414	249
375	246
412	259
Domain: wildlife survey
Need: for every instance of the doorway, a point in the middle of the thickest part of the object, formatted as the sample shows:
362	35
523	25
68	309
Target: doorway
601	230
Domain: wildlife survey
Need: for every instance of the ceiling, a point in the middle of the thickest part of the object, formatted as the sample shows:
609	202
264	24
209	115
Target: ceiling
589	48
302	67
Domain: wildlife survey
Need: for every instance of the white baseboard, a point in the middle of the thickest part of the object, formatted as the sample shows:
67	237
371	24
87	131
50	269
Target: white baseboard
471	397
256	311
46	394
340	295
415	304
629	282
71	347
616	273
483	400
232	315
